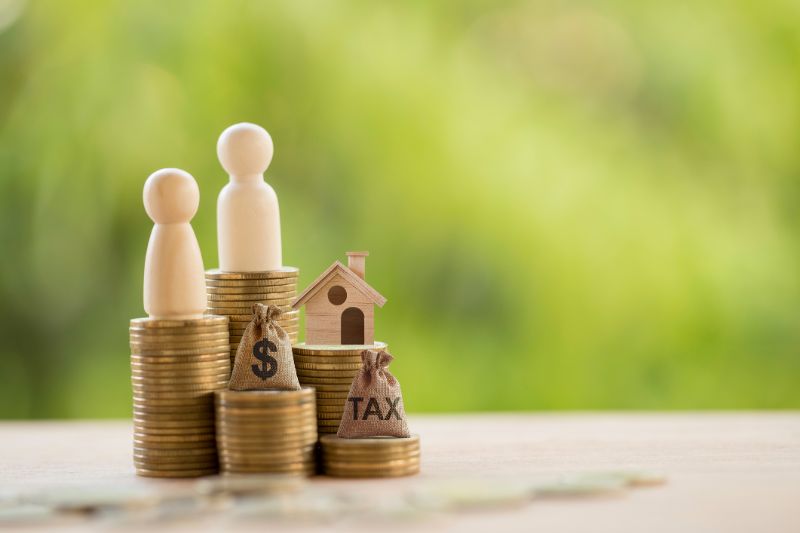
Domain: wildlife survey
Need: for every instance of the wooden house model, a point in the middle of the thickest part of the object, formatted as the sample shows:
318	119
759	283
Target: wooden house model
340	304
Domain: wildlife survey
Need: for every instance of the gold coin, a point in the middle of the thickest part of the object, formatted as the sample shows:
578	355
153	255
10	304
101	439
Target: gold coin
186	415
305	394
287	318
188	374
205	434
153	323
309	439
252	297
282	425
175	467
204	346
239	314
254	433
284	317
167	417
375	444
192	359
269	410
153	389
176	462
173	393
265	402
375	464
247	284
333	349
307	470
183	338
224	406
147	472
327	415
172	455
148	393
149	423
328	388
236	336
315	380
204	401
328	423
333	374
286	431
185	377
364	457
182	378
349	361
322	395
163	432
184	352
394	472
189	415
337	408
370	464
185	364
242	320
269	451
247	305
353	368
297	465
330	407
174	439
276	420
286	286
178	333
282	272
143	444
160	462
266	458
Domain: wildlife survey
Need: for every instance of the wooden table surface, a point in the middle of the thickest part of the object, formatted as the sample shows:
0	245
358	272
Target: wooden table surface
725	471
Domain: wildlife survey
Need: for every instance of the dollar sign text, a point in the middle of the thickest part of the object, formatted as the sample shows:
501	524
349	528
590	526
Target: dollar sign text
269	365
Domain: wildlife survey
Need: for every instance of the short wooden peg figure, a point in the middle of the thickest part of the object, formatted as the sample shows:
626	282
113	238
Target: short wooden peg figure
174	278
248	220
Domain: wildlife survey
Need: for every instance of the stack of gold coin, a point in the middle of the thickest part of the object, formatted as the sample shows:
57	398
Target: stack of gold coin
233	294
370	457
266	431
176	366
330	370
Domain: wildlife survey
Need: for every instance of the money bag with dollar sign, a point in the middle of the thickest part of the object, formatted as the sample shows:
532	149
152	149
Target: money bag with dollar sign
264	357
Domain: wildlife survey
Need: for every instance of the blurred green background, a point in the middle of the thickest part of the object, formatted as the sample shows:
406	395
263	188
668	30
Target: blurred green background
569	205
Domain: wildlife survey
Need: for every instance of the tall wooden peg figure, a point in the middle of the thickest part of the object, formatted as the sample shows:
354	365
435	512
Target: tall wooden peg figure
248	221
174	278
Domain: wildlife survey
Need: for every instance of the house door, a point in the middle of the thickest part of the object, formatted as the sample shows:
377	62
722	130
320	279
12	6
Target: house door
353	326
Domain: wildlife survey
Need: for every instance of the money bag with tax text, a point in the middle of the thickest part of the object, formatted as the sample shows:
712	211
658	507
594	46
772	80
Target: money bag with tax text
264	357
375	404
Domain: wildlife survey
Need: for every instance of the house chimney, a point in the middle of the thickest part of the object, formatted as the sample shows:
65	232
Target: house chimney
356	262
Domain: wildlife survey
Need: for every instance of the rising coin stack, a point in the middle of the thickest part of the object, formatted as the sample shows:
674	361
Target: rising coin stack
233	294
266	431
176	366
330	370
370	457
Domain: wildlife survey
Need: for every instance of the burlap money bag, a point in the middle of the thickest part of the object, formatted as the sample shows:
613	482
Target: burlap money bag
374	406
264	358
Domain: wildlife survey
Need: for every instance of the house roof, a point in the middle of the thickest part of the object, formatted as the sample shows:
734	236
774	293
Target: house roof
338	268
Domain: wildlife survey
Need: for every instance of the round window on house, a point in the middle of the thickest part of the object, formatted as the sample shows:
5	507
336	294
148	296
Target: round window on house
337	295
